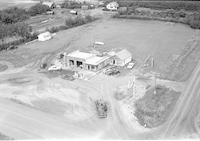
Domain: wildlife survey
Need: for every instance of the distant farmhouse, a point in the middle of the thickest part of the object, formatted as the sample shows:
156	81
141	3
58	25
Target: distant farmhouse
94	62
113	6
49	4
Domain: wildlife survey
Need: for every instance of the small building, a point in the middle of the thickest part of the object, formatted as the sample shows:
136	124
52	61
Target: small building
113	6
122	10
49	4
84	7
44	36
122	58
87	61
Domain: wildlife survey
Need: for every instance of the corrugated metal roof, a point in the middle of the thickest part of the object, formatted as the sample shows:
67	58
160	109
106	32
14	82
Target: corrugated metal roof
81	55
96	60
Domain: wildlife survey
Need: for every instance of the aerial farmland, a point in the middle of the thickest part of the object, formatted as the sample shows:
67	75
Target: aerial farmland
110	78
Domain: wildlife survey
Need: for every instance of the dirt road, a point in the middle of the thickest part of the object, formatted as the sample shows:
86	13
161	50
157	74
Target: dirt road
182	120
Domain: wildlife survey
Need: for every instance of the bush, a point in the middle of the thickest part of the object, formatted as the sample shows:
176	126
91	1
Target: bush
78	20
152	110
38	9
71	5
13	15
189	6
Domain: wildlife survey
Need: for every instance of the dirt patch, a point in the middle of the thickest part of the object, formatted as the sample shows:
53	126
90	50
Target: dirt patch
4	137
3	67
53	74
52	106
152	110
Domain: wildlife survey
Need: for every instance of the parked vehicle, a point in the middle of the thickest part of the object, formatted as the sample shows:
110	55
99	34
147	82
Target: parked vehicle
131	64
54	68
68	77
112	71
73	12
43	66
102	108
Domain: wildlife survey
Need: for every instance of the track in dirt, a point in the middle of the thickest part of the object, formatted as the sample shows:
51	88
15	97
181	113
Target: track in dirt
182	119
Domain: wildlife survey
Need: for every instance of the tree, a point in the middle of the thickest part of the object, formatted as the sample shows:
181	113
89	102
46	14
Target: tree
13	15
38	9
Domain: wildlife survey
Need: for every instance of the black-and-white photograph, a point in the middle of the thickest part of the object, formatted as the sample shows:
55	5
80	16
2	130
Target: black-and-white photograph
99	69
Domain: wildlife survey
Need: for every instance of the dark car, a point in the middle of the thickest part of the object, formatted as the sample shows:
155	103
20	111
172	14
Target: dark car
68	77
112	72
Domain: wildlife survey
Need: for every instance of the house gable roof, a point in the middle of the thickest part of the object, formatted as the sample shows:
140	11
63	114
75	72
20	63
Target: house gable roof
123	54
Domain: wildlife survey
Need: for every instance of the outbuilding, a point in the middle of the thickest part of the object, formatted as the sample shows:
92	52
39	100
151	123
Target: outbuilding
44	36
113	6
122	58
87	61
49	4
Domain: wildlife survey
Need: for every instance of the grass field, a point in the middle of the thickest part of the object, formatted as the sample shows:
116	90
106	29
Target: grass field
20	3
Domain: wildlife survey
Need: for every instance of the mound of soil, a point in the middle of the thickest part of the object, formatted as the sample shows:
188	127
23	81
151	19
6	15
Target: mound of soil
152	110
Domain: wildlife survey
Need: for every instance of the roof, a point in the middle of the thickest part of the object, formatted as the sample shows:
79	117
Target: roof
114	2
123	54
81	55
48	3
96	60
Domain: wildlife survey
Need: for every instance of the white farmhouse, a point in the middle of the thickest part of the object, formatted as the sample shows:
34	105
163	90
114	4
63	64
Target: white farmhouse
49	4
113	6
44	36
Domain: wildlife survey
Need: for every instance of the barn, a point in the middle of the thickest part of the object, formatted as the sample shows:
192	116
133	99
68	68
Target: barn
87	61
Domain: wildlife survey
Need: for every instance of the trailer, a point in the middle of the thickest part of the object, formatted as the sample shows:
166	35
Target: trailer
102	108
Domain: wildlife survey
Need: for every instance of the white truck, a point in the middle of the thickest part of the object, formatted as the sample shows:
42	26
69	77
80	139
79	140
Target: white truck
73	12
54	68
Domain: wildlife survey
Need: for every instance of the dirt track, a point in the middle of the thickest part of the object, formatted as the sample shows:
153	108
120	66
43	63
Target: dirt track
182	120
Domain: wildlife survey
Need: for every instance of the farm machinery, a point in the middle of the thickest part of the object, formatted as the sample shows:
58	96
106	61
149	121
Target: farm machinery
102	108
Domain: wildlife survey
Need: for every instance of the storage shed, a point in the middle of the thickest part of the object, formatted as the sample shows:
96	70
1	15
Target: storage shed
113	6
44	36
122	58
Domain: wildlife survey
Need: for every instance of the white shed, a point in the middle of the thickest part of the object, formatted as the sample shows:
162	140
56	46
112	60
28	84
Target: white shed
112	6
122	58
49	4
44	36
